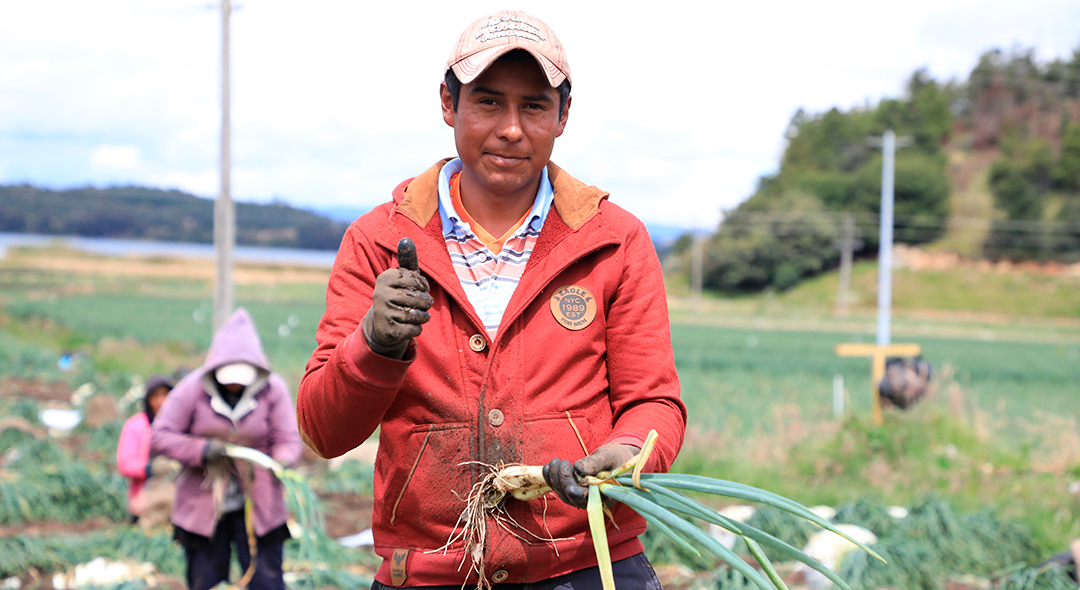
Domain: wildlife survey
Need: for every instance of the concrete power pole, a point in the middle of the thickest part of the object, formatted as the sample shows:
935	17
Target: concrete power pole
224	210
697	269
879	352
884	298
888	144
847	247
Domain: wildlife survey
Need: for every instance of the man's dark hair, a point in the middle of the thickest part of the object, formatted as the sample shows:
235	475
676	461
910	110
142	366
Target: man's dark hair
454	85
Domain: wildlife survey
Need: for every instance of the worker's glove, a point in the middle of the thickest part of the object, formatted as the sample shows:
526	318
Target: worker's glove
213	451
564	476
399	305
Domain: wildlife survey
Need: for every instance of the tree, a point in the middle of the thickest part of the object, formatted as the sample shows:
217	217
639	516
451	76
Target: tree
1067	172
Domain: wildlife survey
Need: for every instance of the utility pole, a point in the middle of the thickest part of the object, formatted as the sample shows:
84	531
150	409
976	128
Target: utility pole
697	268
847	248
879	352
888	144
884	298
224	210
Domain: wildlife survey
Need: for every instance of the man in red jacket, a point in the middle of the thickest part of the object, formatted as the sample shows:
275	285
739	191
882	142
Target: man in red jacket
523	321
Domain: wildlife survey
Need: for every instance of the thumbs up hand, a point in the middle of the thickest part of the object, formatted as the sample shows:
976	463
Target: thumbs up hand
399	305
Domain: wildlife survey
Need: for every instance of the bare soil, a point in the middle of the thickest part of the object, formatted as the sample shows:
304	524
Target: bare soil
76	263
918	259
346	514
48	527
46	391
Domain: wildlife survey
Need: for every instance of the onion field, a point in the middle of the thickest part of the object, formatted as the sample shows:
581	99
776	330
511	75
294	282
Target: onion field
987	466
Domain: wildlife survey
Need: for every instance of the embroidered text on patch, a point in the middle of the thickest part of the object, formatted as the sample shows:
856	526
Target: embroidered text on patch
509	26
573	306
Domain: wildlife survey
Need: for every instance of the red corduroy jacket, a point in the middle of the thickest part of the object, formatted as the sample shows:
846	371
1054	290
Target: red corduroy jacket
583	357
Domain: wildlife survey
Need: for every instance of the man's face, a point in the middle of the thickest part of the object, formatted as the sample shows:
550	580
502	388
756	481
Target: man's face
505	127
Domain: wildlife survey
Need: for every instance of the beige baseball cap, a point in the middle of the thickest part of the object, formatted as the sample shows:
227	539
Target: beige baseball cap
492	36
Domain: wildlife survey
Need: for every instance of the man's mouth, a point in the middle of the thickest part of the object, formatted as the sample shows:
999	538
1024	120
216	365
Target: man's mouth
506	158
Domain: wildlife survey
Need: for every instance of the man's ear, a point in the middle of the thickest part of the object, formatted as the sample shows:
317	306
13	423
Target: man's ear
447	104
564	117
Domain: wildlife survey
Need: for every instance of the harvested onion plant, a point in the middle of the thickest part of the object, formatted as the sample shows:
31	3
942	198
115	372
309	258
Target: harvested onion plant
485	501
653	496
320	555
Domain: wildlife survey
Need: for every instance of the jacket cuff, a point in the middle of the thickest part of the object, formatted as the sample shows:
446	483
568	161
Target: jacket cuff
373	369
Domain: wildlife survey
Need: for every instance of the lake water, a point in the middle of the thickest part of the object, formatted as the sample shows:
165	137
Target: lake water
121	247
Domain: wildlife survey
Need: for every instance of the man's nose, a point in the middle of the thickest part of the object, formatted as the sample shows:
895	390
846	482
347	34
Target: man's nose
510	126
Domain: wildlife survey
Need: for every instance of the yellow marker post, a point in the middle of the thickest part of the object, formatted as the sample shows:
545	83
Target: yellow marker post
877	356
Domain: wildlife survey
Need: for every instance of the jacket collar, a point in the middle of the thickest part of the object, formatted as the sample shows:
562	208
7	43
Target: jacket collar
575	202
558	246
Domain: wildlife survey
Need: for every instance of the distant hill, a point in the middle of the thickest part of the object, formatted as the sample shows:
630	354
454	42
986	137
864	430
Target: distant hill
134	212
663	235
990	168
166	215
344	213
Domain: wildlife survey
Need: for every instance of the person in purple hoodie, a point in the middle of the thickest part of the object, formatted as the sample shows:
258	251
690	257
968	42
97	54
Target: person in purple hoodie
232	398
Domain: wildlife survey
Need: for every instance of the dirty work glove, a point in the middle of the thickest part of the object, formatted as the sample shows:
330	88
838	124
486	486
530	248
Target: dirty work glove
563	476
213	451
399	305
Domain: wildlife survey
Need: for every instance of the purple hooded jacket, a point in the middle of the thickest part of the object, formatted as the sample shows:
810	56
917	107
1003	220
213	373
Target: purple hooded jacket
263	419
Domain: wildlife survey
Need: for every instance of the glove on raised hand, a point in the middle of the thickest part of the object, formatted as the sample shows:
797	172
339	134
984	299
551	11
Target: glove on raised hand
399	305
563	476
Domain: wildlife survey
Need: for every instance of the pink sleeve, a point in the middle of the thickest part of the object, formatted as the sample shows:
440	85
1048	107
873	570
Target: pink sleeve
133	449
170	435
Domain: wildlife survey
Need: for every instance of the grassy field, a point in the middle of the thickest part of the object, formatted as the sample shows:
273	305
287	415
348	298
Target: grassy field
999	433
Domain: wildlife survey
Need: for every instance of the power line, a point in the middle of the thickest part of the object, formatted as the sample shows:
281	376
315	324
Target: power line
754	218
1015	234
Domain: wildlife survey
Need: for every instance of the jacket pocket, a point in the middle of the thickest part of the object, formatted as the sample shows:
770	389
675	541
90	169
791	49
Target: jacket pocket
565	435
429	479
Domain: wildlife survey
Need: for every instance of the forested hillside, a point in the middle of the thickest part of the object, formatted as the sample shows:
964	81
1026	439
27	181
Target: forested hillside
144	213
1023	116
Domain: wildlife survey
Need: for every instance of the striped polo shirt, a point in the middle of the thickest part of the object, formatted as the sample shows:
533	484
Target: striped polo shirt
489	278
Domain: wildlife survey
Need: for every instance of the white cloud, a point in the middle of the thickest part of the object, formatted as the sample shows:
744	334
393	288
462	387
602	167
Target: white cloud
115	156
649	166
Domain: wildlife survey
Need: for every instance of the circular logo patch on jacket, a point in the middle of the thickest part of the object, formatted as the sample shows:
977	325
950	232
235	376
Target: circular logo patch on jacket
574	307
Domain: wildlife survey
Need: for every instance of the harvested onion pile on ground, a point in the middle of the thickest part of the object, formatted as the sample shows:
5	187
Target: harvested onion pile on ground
652	496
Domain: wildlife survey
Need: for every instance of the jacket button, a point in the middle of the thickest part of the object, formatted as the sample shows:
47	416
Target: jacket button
500	576
495	417
477	342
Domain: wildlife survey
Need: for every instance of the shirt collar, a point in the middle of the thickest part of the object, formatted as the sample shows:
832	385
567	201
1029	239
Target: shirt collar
452	224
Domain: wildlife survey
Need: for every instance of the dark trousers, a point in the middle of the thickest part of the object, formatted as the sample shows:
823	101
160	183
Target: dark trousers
208	559
632	573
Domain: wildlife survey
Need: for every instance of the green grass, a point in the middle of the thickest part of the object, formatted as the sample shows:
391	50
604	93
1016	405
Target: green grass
729	375
1026	294
286	327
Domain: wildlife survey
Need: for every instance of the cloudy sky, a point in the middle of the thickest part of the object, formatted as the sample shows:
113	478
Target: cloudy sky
678	106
